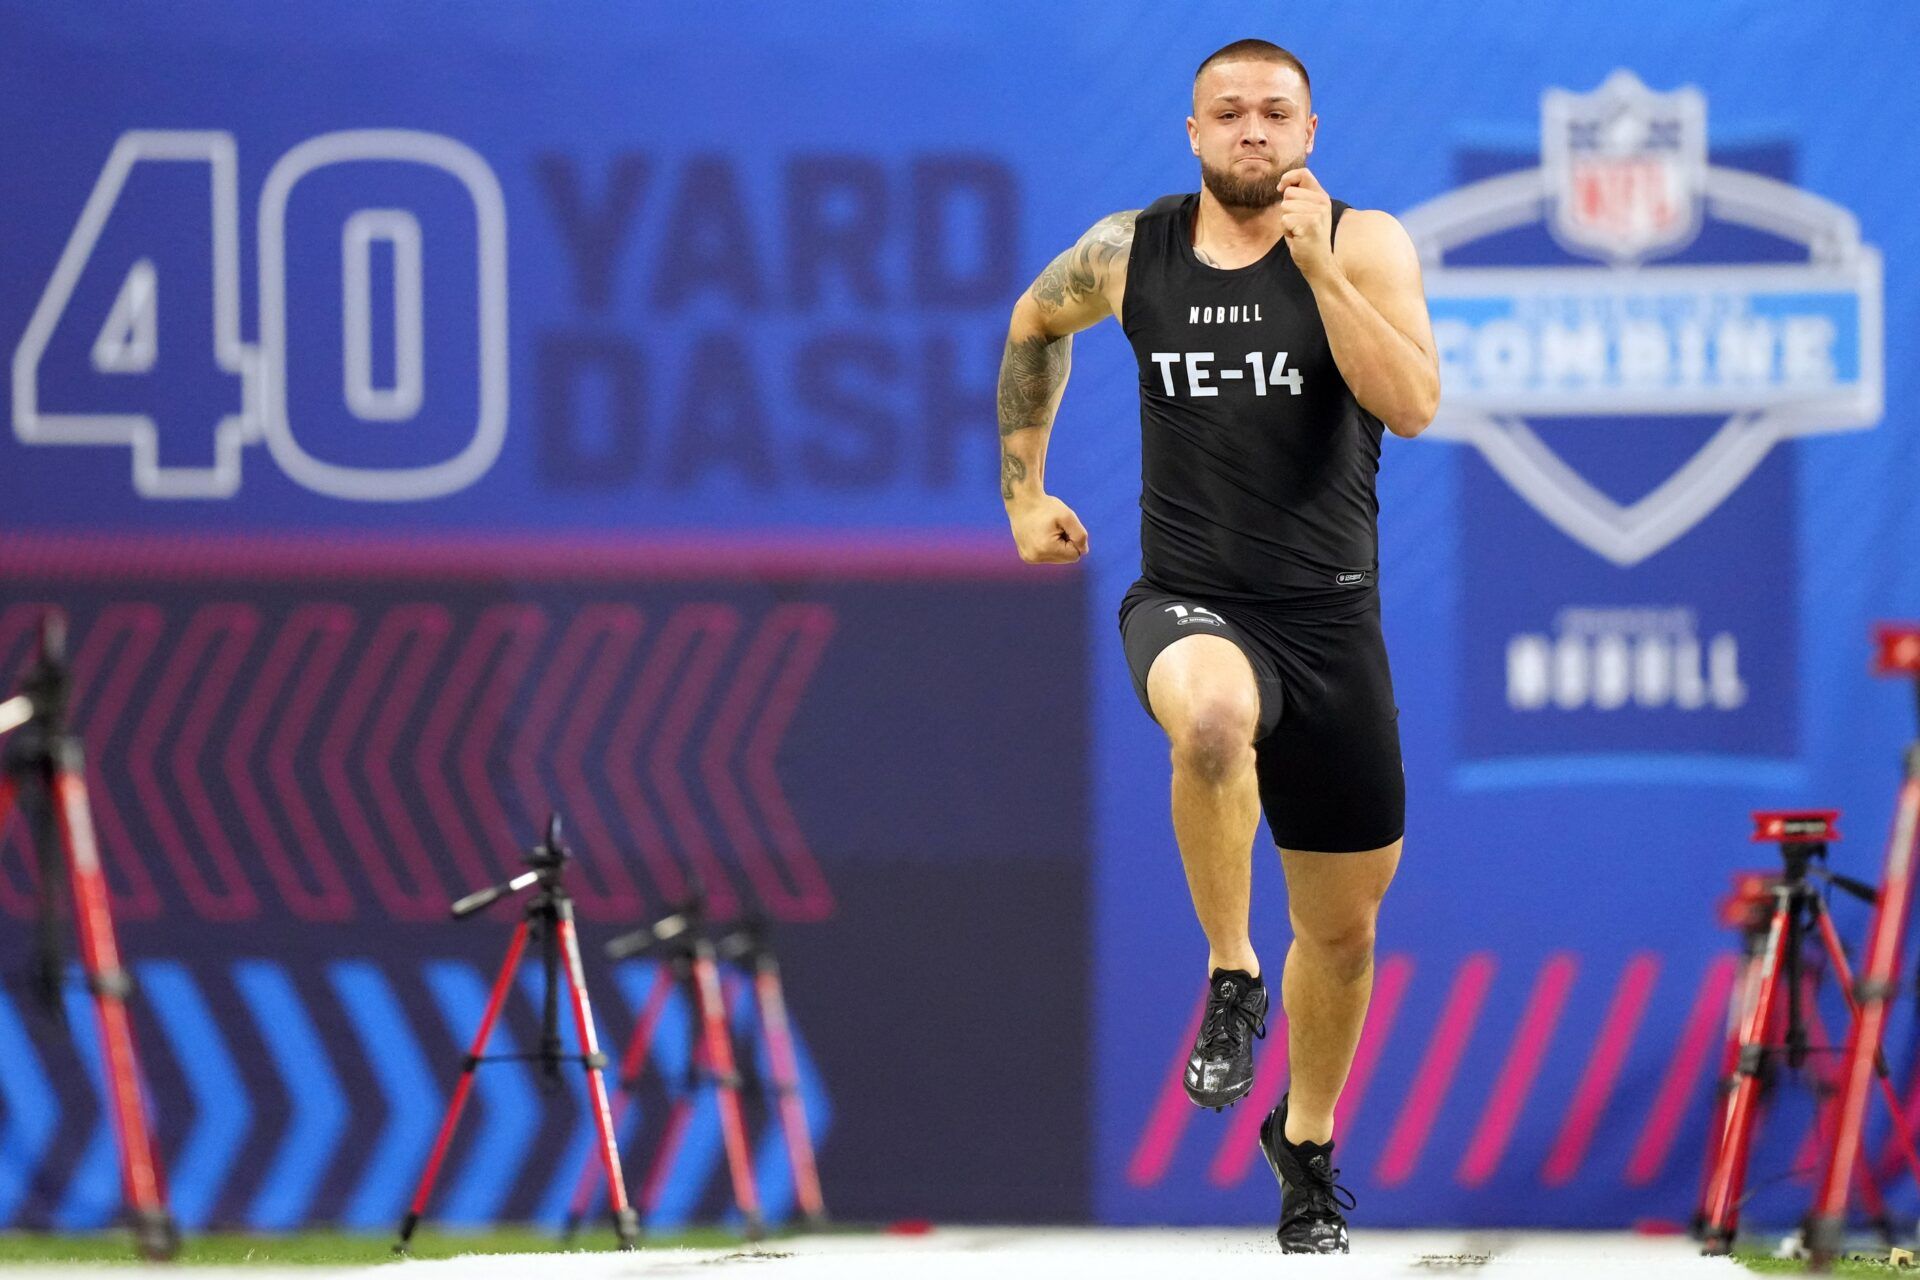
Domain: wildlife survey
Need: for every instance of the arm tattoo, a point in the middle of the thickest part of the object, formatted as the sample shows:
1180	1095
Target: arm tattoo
1082	270
1012	472
1032	371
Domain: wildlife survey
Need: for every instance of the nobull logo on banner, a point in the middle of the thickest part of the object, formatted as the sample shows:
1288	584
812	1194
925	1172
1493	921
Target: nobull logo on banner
1628	323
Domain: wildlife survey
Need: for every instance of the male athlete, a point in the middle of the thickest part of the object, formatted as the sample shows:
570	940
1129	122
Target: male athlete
1278	332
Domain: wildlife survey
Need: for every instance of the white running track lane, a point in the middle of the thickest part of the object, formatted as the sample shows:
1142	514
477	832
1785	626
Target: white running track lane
966	1253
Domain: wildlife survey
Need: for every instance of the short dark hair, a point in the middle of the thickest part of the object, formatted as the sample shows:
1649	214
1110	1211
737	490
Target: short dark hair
1256	51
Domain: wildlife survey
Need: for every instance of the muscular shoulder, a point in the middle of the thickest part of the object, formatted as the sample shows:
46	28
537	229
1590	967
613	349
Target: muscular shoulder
1372	241
1113	232
1089	268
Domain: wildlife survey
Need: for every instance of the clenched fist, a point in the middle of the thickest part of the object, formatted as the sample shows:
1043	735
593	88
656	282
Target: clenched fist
1046	530
1306	216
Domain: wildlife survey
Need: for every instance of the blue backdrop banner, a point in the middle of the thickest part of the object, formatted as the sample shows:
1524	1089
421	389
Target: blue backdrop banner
372	359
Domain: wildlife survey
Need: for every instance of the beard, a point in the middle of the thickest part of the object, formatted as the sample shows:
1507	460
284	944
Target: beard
1252	191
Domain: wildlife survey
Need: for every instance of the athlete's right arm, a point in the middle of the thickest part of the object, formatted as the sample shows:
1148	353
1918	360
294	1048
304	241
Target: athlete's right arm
1078	289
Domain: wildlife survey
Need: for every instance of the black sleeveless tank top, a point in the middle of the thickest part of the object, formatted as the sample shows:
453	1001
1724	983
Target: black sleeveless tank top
1258	464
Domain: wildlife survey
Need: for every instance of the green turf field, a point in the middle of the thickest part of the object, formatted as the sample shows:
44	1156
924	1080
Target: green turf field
342	1249
329	1247
1860	1265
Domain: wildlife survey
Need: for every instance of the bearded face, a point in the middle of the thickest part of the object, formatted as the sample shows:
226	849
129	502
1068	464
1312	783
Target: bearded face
1251	183
1251	123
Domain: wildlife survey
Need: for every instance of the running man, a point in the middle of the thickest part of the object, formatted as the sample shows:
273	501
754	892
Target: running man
1278	332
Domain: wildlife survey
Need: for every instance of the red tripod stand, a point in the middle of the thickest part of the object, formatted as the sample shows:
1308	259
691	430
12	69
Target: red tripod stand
45	776
549	917
747	946
1775	970
681	944
1897	653
1749	909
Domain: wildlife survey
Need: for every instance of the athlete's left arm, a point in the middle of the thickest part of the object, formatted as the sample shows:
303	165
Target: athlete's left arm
1368	288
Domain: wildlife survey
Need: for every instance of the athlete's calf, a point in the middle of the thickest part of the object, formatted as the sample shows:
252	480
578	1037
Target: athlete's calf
1333	900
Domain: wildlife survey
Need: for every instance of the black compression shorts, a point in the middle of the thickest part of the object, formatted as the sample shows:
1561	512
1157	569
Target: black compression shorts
1327	749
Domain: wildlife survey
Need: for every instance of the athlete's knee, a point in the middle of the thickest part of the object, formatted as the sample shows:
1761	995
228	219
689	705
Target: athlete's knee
1213	739
1342	943
1201	690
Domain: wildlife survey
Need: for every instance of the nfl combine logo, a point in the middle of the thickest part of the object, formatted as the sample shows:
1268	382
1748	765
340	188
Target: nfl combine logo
1626	167
1627	327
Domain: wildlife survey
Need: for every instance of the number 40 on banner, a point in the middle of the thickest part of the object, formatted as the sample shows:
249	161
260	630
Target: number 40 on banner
128	344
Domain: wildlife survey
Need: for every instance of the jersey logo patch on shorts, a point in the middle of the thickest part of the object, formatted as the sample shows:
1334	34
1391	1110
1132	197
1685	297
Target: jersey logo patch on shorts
1187	614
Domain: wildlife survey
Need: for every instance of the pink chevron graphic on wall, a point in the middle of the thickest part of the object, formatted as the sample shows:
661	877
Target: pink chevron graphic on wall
550	757
1407	1140
1160	1137
1702	1033
1437	1079
107	668
504	643
20	883
1515	1081
303	655
1391	977
701	635
339	758
193	686
108	664
404	640
1610	1045
769	681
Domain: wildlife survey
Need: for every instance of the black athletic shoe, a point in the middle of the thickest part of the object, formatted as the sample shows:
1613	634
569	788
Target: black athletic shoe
1220	1072
1310	1197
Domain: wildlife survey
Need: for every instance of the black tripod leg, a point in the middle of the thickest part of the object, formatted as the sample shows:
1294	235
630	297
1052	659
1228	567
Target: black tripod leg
47	972
551	1050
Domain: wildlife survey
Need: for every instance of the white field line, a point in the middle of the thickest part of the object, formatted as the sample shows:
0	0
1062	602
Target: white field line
1018	1253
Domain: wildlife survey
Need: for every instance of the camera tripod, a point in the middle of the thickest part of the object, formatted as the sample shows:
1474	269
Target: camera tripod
1897	653
690	966
1775	968
749	947
549	917
43	773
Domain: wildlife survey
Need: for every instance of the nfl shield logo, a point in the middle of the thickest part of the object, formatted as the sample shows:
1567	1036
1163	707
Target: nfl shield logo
1763	351
1625	400
1626	167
